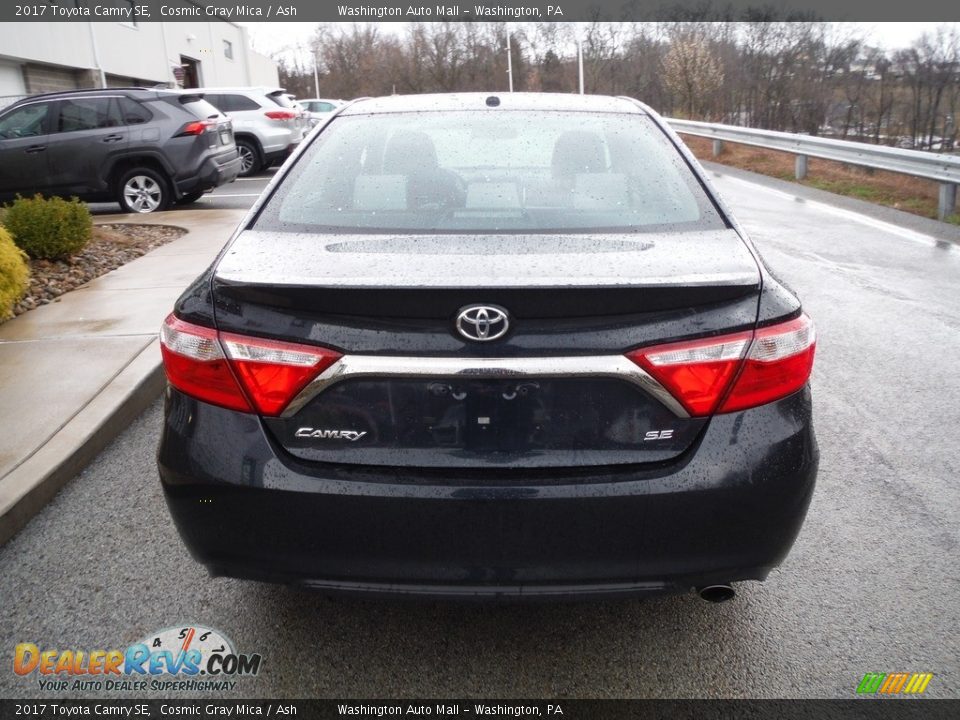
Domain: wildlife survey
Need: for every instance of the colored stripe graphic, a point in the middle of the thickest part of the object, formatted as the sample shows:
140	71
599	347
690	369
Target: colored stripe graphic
918	683
871	682
894	683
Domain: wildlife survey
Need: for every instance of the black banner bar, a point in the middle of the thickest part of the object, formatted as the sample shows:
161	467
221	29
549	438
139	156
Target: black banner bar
470	10
879	709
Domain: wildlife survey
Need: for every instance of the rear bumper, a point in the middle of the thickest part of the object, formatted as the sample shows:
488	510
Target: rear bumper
280	155
728	510
276	139
214	171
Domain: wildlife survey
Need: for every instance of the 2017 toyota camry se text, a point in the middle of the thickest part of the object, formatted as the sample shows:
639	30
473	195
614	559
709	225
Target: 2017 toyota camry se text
481	346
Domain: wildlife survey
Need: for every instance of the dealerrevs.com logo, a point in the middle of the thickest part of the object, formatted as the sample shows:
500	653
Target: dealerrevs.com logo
182	658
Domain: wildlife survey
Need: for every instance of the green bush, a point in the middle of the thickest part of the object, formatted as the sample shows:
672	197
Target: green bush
14	274
49	229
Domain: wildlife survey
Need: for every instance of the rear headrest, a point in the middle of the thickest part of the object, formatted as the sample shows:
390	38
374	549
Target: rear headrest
409	152
577	152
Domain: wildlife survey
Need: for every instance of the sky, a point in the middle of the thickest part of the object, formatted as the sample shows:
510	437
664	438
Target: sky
269	38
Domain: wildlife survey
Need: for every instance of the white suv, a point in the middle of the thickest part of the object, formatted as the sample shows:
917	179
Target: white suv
266	124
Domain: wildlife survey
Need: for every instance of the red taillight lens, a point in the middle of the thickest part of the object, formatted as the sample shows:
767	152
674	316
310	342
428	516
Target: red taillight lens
696	372
195	364
773	362
197	128
238	372
281	114
779	363
273	372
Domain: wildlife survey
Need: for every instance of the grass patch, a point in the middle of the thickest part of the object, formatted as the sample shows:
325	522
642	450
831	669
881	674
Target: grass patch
851	189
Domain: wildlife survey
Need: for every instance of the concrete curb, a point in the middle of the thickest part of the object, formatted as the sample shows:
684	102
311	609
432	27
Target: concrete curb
34	483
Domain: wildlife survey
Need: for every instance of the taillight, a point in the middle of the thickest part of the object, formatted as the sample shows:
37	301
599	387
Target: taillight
696	372
273	372
763	366
238	372
779	363
195	364
281	114
198	127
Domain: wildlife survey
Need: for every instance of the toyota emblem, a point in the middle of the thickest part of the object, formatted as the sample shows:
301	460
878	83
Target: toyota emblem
483	322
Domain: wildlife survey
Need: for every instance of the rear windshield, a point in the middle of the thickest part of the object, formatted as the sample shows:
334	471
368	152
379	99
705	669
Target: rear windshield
280	99
490	171
199	107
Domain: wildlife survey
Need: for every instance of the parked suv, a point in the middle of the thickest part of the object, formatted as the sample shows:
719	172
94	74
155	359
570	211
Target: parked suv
143	148
267	124
483	346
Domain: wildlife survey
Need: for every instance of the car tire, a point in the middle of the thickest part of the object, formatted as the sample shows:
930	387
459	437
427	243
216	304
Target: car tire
190	197
143	190
250	162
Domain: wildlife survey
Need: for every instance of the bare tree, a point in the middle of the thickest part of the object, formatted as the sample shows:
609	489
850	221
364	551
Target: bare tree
805	76
693	73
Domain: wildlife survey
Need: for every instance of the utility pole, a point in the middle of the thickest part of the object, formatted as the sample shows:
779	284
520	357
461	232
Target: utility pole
316	71
509	62
580	62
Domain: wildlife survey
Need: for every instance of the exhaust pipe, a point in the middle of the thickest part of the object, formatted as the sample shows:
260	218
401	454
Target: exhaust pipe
716	593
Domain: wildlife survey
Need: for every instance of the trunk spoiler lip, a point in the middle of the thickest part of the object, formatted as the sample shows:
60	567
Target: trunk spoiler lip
746	280
696	259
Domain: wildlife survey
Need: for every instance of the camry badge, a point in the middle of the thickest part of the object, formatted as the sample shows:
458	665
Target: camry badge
483	322
308	432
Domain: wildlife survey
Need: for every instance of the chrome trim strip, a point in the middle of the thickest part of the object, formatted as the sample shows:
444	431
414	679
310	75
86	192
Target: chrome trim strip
612	366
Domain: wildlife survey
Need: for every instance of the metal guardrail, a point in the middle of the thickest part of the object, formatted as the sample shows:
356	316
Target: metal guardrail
944	169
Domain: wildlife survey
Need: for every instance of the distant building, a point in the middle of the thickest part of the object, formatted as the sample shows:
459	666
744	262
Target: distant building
40	57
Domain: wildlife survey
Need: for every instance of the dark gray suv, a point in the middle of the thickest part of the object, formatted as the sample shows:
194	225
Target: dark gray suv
142	148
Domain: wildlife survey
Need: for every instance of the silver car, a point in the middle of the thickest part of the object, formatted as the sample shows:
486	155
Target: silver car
266	124
319	108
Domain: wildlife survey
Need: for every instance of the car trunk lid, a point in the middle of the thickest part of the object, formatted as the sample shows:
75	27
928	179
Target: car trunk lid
431	397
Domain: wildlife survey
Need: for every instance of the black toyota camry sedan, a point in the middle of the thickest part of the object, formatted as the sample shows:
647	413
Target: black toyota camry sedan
490	347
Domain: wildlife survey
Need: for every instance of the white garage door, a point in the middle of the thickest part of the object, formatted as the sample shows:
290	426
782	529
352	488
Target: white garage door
11	79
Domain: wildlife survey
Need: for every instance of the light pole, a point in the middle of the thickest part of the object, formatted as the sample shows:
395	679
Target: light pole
509	62
316	64
580	62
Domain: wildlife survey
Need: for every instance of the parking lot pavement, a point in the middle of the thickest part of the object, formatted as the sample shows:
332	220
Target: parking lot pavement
869	587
